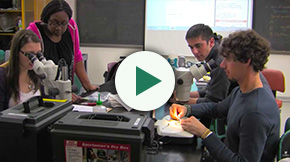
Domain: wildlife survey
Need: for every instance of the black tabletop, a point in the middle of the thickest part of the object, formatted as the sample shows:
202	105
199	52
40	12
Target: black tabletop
176	153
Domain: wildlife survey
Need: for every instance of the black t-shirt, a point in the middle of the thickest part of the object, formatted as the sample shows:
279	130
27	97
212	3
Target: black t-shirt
57	52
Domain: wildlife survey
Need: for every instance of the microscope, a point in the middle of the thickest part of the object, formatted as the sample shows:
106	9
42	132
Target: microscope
184	78
47	71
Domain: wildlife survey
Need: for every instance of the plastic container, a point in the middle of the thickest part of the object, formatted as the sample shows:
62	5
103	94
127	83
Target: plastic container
99	107
25	130
77	132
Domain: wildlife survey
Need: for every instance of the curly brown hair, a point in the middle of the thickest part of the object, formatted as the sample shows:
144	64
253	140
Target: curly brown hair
245	45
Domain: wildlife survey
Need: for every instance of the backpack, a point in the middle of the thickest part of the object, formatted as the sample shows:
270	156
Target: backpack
109	85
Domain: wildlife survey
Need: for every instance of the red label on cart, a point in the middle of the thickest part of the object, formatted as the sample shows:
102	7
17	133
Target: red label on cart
83	151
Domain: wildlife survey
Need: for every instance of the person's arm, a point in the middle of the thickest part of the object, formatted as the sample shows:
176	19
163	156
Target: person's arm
79	65
192	101
194	94
200	93
253	135
210	109
82	75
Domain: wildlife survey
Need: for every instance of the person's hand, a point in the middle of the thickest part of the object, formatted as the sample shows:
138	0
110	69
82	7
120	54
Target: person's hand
193	126
93	87
75	98
177	111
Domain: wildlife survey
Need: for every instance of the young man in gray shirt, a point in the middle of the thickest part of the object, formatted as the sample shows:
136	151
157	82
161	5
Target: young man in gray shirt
252	114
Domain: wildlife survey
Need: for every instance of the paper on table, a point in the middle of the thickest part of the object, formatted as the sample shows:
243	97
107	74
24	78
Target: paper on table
82	108
118	99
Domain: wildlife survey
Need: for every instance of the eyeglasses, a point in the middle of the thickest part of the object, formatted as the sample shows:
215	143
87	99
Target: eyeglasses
25	53
31	55
55	24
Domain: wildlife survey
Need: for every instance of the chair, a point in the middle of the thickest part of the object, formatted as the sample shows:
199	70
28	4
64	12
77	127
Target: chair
219	128
110	65
287	125
276	82
109	68
284	143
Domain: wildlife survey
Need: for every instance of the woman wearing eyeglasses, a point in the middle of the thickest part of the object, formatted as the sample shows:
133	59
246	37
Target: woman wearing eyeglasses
60	37
18	82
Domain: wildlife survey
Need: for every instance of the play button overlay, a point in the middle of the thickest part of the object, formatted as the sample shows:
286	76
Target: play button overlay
145	81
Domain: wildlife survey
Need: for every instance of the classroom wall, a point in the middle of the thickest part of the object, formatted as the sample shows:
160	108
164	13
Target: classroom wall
99	57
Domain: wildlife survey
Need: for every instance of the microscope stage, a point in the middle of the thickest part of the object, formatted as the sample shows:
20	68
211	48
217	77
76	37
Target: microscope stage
172	128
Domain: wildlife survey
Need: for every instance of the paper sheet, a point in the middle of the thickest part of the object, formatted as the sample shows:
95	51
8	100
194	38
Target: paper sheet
82	108
118	99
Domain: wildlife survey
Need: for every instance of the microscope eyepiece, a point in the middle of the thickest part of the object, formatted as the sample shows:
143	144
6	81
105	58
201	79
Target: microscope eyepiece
40	56
30	56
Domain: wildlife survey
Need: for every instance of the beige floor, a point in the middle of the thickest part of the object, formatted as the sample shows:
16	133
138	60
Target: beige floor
285	114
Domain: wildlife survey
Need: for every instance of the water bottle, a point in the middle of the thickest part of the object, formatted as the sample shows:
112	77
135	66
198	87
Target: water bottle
19	24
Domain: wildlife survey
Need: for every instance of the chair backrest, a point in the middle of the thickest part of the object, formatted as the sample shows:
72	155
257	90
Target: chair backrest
109	85
110	65
287	125
284	143
275	79
284	146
